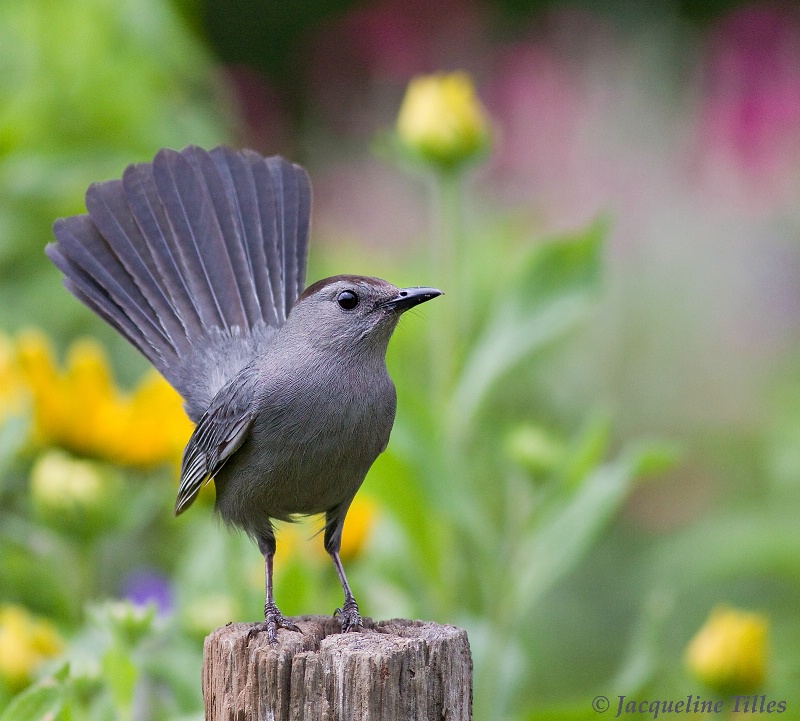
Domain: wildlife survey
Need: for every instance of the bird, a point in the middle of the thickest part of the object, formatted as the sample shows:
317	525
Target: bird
198	259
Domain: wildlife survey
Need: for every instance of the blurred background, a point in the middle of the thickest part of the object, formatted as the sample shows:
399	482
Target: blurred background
595	468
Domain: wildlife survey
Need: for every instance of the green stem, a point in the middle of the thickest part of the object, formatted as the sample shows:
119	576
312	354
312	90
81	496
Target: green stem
85	581
448	473
446	221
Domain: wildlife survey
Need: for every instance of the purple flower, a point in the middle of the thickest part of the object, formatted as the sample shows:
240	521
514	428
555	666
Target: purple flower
146	585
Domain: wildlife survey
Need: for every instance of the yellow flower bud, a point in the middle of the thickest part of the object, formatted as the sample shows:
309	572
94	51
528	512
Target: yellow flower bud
534	448
442	120
25	643
61	483
729	653
74	495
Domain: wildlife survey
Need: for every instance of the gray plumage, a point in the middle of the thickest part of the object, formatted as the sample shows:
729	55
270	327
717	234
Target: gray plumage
199	260
173	257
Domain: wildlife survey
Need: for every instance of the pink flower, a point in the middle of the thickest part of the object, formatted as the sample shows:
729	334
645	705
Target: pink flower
750	112
552	96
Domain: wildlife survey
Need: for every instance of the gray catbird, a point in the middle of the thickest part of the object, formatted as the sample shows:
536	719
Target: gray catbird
197	259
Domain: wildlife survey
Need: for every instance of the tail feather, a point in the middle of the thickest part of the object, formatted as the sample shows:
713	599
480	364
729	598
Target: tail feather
293	195
145	207
234	257
110	312
302	232
202	250
195	258
288	200
240	187
110	214
94	265
271	226
88	292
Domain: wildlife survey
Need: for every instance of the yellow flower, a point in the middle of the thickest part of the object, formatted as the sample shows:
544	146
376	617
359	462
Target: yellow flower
442	120
81	409
360	520
38	370
155	426
25	643
88	399
293	538
12	389
729	653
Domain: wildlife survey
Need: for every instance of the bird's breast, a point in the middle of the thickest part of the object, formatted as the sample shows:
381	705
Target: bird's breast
311	452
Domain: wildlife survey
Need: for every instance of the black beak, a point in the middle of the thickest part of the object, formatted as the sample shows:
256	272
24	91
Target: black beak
409	297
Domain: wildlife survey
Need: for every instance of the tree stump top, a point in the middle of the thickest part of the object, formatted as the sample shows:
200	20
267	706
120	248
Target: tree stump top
390	670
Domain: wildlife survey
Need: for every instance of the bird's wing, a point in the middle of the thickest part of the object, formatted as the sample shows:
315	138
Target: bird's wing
220	432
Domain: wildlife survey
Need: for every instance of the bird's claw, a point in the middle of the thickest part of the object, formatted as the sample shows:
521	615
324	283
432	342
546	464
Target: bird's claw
273	620
349	616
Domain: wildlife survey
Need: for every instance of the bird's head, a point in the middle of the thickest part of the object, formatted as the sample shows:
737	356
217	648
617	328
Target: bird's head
353	310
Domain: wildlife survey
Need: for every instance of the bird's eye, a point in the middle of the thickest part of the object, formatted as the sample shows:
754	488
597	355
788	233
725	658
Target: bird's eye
347	300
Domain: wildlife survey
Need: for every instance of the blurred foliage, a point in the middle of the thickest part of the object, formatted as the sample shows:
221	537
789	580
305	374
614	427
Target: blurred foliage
490	509
86	87
273	37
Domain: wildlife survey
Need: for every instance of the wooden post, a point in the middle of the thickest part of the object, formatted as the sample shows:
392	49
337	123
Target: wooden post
395	670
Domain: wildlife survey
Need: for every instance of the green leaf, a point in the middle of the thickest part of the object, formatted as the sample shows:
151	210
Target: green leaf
586	452
41	702
657	457
550	296
568	529
402	491
562	265
121	675
534	448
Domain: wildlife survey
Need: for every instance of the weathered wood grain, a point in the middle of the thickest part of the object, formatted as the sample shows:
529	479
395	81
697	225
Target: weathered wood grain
390	671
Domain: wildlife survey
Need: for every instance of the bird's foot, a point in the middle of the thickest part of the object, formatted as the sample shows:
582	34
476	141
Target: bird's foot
349	616
273	620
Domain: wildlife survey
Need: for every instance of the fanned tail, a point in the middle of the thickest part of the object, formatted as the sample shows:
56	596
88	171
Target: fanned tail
195	258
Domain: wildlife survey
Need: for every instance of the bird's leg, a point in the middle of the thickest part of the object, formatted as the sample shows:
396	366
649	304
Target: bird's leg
273	619
348	613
